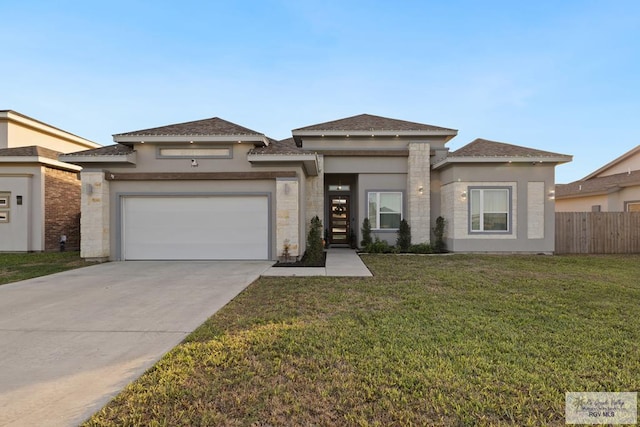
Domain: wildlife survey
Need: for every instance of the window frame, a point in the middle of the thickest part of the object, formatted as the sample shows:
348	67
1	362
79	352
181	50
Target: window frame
229	154
378	193
509	212
630	203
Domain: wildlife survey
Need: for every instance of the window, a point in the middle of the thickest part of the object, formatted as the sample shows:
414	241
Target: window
633	206
385	210
5	198
490	210
191	152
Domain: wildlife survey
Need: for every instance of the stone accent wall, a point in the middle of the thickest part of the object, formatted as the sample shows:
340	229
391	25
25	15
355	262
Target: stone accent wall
535	210
419	202
94	223
287	214
315	195
61	209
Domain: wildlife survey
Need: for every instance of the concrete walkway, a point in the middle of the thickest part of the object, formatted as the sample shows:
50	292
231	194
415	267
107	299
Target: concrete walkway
71	341
341	262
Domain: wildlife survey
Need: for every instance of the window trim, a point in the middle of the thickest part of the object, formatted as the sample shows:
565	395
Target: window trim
228	147
630	202
509	212
378	192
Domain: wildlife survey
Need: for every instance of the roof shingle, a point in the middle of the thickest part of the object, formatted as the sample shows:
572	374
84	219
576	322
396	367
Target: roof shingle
109	150
206	127
369	122
486	148
598	185
285	146
30	151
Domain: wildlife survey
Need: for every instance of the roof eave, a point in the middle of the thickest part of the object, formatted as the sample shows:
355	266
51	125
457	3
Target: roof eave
309	161
41	160
80	159
502	159
128	139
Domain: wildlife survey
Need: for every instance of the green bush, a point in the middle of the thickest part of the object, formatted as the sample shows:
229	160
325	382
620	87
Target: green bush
379	247
404	236
315	252
421	248
366	233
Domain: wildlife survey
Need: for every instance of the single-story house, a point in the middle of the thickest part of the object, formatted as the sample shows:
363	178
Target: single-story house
211	189
39	194
615	187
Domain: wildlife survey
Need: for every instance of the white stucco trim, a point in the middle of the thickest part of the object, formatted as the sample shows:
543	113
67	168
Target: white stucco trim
310	161
195	138
532	160
120	158
42	160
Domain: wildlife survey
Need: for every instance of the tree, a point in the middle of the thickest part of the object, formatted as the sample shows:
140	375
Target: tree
366	233
315	252
404	236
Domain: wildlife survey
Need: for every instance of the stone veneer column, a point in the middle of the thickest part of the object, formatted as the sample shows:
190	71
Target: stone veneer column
94	220
315	196
419	203
287	214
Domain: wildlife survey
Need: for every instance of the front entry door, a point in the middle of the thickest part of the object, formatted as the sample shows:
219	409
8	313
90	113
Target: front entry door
339	222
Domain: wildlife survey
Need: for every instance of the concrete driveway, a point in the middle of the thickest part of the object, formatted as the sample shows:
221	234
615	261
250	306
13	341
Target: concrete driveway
71	341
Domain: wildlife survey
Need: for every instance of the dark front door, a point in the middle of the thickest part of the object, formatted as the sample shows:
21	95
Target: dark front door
339	221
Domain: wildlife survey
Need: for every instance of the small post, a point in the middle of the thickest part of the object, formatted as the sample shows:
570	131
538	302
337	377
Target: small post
63	242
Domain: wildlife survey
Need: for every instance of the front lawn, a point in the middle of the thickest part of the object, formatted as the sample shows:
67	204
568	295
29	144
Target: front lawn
430	340
21	266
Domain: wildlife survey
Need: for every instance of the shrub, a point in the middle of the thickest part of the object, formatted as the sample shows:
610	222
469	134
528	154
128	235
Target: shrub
315	252
439	246
404	236
421	248
366	233
379	247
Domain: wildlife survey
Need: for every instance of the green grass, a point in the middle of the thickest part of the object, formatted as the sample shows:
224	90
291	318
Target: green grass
456	340
21	266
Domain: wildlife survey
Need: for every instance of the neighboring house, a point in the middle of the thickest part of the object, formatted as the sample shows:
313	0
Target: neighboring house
39	195
615	187
211	189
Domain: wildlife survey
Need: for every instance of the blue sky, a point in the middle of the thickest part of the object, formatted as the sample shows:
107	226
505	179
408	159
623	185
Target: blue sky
561	76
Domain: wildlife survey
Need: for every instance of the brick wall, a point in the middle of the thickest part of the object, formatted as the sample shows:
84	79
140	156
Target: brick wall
62	209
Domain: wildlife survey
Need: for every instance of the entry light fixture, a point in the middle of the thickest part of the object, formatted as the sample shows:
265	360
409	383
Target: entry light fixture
194	163
420	189
552	194
463	195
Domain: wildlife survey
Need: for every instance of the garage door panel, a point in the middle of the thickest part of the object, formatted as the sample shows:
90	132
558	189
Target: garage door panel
215	227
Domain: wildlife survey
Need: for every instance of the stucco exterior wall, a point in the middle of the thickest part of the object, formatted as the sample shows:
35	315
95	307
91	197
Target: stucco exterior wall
582	204
379	182
334	164
528	234
365	143
19	135
62	209
632	163
612	202
25	229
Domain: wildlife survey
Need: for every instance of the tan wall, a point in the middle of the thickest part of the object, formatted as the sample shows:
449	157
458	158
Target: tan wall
630	163
62	209
19	135
582	204
366	143
613	202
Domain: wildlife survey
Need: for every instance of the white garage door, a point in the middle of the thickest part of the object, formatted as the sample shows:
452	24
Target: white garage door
192	228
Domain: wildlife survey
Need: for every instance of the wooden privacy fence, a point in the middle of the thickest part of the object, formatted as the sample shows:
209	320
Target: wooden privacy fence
597	232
